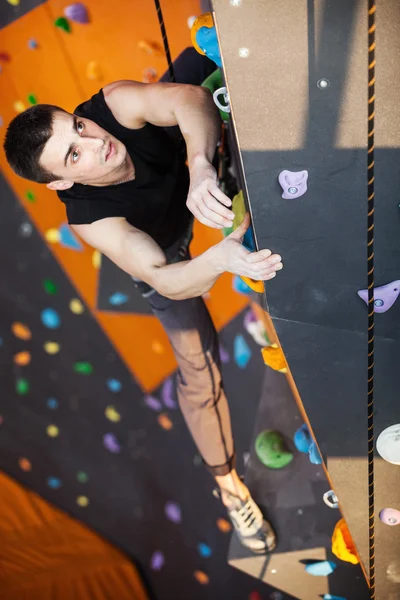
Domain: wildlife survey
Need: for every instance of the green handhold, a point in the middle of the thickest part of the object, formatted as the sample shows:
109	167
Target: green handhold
22	386
272	450
30	196
82	477
32	99
50	287
63	23
227	231
84	368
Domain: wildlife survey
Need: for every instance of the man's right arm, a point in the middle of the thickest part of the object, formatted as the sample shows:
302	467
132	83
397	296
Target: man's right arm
140	256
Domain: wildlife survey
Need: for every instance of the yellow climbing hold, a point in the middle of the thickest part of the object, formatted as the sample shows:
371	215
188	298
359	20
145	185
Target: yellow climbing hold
165	422
13	2
19	106
21	331
53	431
52	236
273	357
22	358
76	306
112	414
93	71
96	259
82	501
51	347
342	543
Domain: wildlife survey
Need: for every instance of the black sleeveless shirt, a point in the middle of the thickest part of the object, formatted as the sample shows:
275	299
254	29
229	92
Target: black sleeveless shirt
155	201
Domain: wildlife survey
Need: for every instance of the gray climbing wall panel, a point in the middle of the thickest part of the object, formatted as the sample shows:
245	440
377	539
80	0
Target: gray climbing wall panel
297	79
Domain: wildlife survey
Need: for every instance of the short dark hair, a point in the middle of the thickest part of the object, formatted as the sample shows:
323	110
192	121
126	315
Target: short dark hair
26	137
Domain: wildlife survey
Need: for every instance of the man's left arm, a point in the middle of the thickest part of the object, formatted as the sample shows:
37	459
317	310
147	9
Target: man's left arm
192	108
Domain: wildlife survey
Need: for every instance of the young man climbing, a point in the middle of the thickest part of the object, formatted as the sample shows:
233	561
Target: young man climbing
129	193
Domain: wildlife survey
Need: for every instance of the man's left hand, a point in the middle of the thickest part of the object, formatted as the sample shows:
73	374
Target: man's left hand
205	199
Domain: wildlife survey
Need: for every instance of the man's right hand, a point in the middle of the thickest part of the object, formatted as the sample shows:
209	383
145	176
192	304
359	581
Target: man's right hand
234	258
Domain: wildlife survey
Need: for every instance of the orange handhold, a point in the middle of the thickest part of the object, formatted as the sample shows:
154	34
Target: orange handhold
150	47
342	543
273	357
22	358
165	422
205	20
256	286
201	577
21	331
93	71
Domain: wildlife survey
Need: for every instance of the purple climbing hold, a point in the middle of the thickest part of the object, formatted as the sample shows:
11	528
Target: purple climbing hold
111	443
390	516
249	317
224	355
173	512
384	296
167	394
153	403
77	12
294	184
157	560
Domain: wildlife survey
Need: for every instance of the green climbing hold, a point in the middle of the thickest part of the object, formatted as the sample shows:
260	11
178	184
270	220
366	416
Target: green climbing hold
22	386
32	99
84	368
50	287
82	477
271	449
63	23
30	196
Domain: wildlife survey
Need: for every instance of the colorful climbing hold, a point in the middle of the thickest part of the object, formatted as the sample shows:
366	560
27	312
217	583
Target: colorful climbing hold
68	239
273	357
157	561
93	71
83	501
112	414
118	298
204	550
321	568
271	450
167	394
13	2
153	403
30	196
114	385
302	439
342	543
240	286
32	44
77	13
390	516
54	482
25	229
242	351
149	75
388	444
157	347
152	48
82	477
96	259
52	236
224	525
255	328
52	403
51	347
111	443
314	454
50	287
53	431
384	296
22	358
76	306
25	464
22	386
32	99
50	318
294	184
173	512
330	597
62	23
21	331
165	422
331	499
201	577
83	367
19	106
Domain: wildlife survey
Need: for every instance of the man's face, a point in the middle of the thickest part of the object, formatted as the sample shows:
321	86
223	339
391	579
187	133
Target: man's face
79	151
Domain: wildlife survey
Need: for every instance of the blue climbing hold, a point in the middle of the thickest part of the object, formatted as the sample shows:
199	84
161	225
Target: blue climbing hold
204	550
206	38
302	439
248	240
314	454
68	239
242	352
240	286
114	385
54	483
118	298
330	597
50	318
52	403
321	568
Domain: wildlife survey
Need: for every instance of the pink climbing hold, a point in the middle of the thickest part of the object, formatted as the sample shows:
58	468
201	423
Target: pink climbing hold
390	516
384	296
294	184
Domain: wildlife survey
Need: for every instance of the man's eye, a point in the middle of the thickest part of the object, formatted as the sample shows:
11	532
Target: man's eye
80	126
75	156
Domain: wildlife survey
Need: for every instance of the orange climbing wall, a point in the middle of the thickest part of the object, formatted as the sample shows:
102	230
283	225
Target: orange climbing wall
56	73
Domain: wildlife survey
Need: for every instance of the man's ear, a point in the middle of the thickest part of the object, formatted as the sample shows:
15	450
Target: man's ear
60	184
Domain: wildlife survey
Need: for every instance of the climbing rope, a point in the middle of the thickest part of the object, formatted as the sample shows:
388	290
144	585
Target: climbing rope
165	40
371	311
